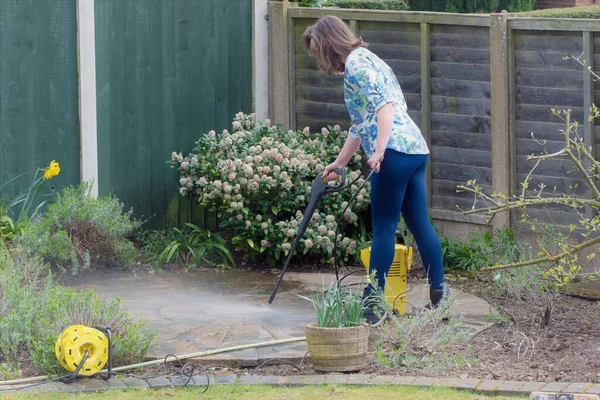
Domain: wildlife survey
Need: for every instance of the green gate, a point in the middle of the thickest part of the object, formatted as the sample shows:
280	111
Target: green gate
168	71
39	120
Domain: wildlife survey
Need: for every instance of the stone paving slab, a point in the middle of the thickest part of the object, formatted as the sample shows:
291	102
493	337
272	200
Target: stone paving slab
247	358
403	380
425	381
537	390
224	379
467	384
159	382
512	388
197	311
593	388
447	382
383	380
576	388
134	383
532	386
561	396
179	381
292	353
116	384
50	387
555	386
487	385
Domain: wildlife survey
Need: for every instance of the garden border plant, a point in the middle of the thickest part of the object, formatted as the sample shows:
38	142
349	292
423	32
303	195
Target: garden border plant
421	340
79	229
12	224
34	310
480	249
193	246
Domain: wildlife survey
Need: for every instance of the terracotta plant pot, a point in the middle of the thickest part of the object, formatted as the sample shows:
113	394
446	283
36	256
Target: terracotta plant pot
338	349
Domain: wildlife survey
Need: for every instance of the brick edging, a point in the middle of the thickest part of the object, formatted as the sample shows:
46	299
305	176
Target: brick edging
477	385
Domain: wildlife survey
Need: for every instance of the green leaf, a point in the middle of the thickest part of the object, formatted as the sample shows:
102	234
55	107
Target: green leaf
250	242
168	253
224	251
194	227
274	209
305	298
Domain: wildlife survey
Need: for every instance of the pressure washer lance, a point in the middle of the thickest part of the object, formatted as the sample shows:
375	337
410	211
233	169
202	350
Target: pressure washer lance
318	190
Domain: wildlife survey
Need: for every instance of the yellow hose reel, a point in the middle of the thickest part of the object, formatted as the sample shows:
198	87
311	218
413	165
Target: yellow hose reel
72	345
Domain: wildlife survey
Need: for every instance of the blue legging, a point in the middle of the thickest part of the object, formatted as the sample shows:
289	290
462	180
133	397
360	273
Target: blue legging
400	186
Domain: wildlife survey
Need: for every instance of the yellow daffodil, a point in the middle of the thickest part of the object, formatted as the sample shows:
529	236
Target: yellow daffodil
52	170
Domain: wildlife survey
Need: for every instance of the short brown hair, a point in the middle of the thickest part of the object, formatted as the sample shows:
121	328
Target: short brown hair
329	40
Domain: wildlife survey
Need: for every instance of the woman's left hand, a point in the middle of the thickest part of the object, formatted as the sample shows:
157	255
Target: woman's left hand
375	161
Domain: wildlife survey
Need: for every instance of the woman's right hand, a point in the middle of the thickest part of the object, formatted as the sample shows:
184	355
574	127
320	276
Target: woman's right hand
328	175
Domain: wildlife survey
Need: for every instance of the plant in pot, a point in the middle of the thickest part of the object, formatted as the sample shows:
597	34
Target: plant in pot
339	340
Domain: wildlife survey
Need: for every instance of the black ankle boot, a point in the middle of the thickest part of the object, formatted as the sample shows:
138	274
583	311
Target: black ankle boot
435	297
371	303
374	314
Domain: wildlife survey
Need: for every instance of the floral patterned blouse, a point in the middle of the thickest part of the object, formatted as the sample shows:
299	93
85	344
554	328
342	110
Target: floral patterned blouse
369	84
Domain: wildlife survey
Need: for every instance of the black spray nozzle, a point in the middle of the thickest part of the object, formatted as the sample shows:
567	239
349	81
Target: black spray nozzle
318	189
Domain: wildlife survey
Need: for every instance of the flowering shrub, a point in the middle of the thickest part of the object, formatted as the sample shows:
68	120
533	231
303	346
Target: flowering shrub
259	177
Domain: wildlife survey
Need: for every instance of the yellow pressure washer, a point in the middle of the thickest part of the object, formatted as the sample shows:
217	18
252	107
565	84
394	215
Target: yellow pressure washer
395	282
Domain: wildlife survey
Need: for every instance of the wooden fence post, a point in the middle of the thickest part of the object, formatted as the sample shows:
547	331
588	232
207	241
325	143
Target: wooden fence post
86	60
501	111
588	101
260	50
279	68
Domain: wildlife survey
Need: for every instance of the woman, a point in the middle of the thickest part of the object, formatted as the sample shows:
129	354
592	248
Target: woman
396	150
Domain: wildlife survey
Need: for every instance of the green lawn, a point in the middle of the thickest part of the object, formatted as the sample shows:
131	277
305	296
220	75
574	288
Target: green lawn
271	393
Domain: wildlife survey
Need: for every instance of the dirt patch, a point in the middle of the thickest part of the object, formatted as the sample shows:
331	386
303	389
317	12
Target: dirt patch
567	349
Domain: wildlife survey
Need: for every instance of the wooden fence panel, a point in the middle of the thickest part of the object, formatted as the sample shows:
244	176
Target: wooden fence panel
399	45
443	65
461	111
539	87
39	119
454	103
319	99
595	60
167	72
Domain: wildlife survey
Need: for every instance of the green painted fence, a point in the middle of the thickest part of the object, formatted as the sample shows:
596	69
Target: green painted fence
167	72
39	118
